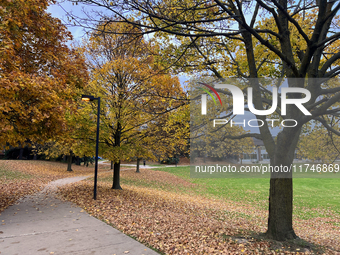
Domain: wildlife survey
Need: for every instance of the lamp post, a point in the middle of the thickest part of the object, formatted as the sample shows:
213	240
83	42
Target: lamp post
91	98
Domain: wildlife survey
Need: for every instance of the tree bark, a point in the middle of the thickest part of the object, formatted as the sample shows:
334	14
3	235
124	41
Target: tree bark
69	162
116	176
116	167
112	164
280	219
138	162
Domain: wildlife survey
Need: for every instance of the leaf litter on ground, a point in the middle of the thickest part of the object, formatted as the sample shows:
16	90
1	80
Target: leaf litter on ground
19	178
179	223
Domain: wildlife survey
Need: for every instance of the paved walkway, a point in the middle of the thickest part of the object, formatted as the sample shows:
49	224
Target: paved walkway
43	224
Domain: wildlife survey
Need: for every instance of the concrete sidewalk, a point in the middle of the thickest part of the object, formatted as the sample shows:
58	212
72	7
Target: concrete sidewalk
43	224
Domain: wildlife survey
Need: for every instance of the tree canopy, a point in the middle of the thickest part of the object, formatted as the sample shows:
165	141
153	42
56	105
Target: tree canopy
40	75
138	98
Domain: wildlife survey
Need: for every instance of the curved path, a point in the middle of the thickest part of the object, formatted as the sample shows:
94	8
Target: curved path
43	224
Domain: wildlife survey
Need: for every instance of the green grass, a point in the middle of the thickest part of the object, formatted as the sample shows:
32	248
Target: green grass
6	174
181	171
310	194
313	197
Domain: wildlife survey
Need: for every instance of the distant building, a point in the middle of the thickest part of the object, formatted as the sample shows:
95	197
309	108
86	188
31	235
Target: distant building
259	153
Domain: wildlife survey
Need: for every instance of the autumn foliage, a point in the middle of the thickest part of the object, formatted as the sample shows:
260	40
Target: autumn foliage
141	104
39	75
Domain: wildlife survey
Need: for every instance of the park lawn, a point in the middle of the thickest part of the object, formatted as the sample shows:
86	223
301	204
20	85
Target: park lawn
313	197
175	214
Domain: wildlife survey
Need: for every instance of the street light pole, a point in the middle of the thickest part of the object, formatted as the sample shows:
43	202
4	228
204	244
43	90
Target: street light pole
91	98
96	163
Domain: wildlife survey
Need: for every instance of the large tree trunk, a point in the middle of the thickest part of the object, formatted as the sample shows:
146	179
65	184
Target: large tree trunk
138	163
280	220
112	163
280	223
116	167
69	162
116	176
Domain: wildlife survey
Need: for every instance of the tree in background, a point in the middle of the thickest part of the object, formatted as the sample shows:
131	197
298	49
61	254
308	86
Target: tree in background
310	53
210	141
137	98
40	76
76	140
319	144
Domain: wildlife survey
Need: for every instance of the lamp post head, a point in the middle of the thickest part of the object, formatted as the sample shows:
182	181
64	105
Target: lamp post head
87	98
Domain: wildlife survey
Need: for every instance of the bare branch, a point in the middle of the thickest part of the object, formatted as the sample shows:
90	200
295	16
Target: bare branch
331	38
253	19
328	63
293	21
320	110
329	91
262	40
329	128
